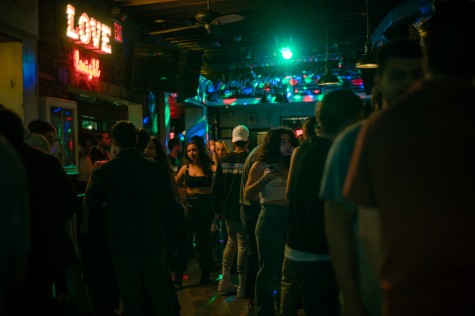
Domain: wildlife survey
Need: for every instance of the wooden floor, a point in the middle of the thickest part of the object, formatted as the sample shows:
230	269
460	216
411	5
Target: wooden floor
201	300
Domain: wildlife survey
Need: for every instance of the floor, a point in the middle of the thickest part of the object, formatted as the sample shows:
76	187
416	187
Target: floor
201	300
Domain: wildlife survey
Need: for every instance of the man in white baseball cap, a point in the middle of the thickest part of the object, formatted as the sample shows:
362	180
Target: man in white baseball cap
226	190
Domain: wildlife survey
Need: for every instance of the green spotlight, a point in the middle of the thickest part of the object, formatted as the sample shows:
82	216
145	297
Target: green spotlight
286	52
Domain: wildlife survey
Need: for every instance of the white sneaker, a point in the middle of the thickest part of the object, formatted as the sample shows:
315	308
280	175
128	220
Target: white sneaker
241	293
226	287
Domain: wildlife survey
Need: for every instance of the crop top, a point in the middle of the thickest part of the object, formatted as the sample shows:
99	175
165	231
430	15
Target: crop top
197	182
273	190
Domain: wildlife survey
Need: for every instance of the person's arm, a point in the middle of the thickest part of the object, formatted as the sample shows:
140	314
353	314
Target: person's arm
85	208
292	161
370	232
339	230
217	190
180	179
259	175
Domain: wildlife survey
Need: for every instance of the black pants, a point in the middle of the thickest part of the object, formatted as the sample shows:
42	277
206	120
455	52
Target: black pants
199	214
249	216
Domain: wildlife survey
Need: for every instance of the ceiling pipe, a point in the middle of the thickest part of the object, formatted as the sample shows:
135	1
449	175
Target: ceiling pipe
410	11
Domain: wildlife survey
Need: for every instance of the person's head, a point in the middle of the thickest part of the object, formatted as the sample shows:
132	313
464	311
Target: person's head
221	149
446	30
198	138
338	109
309	126
11	126
43	128
142	139
278	145
156	151
86	139
39	142
124	134
240	136
103	139
399	66
174	146
195	151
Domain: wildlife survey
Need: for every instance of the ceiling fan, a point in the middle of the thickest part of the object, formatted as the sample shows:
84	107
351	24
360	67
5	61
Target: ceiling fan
205	19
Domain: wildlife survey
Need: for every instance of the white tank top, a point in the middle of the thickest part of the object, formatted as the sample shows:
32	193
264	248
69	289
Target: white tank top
274	190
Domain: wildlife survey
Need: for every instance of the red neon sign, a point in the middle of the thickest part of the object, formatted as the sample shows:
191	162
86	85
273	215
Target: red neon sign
117	32
87	67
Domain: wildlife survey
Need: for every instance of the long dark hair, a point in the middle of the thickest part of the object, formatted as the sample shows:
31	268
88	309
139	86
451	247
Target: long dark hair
270	148
205	161
161	156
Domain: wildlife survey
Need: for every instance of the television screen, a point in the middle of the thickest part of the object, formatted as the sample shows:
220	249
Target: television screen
166	69
155	68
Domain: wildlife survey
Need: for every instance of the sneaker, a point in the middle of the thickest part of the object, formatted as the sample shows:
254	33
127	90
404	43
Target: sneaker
226	287
241	293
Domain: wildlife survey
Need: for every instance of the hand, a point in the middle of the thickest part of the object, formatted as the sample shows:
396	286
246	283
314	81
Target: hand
270	174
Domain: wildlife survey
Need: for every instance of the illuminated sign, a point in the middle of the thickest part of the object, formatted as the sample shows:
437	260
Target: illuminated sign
89	32
87	67
117	32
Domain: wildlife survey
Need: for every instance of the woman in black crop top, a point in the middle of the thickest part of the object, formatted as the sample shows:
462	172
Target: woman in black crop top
197	177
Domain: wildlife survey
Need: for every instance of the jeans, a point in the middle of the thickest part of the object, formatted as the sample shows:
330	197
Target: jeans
199	214
271	235
144	285
249	217
314	283
237	242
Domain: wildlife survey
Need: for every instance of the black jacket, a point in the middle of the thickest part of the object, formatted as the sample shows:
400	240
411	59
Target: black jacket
138	195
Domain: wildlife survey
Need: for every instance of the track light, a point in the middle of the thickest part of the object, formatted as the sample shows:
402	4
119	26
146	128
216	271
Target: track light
368	59
328	78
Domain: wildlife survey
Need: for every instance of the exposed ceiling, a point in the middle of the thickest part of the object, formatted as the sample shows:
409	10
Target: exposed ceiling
253	41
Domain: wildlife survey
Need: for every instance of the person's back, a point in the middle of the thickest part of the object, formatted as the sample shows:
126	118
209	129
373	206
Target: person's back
423	198
307	169
307	248
135	195
139	198
52	201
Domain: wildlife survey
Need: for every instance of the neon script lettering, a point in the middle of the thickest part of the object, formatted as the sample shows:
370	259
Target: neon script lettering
89	68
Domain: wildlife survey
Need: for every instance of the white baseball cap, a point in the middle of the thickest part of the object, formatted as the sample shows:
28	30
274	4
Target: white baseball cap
240	132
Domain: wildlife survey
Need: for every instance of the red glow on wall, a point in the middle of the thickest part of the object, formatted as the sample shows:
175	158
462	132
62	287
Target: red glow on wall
117	32
86	67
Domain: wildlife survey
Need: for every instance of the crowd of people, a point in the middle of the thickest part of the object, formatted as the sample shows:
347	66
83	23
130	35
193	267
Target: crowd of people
367	215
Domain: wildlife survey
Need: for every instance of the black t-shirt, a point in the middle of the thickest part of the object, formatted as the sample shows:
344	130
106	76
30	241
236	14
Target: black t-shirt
227	184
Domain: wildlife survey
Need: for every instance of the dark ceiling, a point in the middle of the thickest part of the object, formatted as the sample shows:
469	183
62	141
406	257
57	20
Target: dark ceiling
253	42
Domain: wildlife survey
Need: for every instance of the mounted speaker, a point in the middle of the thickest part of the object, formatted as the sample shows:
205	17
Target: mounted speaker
189	68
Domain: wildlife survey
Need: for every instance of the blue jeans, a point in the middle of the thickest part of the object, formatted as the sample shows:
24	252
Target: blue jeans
237	242
271	235
314	283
